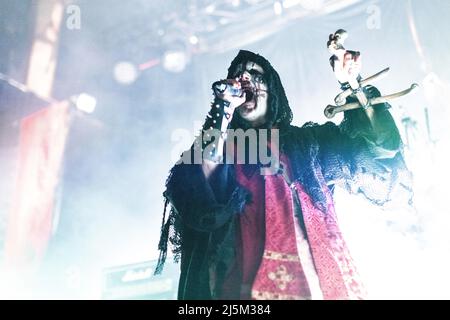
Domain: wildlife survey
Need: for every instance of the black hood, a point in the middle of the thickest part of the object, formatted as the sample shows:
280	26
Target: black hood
279	112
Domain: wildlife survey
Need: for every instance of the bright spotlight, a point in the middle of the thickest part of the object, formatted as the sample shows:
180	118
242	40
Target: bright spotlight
175	61
193	40
85	102
125	73
210	9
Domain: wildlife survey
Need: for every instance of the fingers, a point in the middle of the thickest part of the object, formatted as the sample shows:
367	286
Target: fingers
245	86
235	101
234	82
229	111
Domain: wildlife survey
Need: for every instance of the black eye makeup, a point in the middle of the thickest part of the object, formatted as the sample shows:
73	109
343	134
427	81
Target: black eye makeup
257	76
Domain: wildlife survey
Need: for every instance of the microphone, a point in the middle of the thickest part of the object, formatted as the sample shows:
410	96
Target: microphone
222	87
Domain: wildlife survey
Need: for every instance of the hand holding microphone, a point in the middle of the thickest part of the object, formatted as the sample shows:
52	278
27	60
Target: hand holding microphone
229	94
230	90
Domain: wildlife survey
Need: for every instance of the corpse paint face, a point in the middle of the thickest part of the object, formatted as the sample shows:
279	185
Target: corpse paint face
254	109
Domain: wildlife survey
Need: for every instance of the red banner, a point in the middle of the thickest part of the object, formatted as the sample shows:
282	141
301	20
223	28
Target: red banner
42	140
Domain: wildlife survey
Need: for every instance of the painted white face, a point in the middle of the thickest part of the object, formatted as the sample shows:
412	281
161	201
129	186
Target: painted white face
254	110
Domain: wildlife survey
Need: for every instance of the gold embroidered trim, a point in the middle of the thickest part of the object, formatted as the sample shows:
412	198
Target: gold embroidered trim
266	295
273	255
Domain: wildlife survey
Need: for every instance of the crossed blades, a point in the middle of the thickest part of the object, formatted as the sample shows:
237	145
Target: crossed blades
363	102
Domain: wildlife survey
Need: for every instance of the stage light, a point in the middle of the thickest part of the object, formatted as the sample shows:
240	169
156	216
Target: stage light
193	40
125	72
210	9
175	61
85	102
277	8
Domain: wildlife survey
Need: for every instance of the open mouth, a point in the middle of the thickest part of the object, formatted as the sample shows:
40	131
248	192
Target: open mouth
249	96
250	101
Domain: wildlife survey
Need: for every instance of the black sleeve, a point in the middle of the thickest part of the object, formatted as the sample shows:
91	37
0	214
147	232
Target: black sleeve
201	204
364	159
197	205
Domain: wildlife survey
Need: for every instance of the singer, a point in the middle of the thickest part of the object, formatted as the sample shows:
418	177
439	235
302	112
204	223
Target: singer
241	234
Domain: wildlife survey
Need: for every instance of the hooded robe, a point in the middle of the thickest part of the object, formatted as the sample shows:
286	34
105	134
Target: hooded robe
237	233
